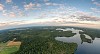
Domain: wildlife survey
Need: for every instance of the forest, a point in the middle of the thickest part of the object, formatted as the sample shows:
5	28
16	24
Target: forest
41	40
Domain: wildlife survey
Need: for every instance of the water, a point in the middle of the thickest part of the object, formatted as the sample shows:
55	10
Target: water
85	44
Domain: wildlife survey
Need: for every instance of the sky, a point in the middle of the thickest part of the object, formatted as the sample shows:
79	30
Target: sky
21	13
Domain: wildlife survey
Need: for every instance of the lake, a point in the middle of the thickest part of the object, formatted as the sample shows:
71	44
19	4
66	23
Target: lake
86	45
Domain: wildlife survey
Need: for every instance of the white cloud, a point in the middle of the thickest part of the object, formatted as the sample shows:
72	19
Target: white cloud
69	15
95	10
85	16
12	23
4	13
15	7
31	6
1	7
52	4
96	3
83	25
8	1
12	14
28	6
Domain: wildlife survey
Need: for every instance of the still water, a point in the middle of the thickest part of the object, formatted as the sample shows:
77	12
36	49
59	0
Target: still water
85	45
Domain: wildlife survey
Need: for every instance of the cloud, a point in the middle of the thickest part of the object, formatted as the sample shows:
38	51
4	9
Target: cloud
21	14
96	3
85	16
21	22
72	14
15	12
1	7
95	10
69	15
46	0
83	25
28	6
4	13
15	7
8	1
31	6
12	14
52	4
12	23
88	18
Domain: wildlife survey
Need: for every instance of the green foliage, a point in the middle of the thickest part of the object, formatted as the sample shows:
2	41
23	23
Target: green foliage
7	50
40	45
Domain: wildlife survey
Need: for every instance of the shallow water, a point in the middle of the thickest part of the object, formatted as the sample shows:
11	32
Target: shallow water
85	45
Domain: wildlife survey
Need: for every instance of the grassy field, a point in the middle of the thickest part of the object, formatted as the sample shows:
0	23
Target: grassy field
4	49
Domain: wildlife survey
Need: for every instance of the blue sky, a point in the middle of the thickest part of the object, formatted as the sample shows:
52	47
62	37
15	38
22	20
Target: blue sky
49	12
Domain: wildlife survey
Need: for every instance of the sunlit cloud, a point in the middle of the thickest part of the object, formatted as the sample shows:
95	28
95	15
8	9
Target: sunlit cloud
52	4
8	1
31	6
4	13
13	23
95	10
12	14
96	3
1	7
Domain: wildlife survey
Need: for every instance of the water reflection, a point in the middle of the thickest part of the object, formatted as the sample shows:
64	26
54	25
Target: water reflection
86	44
